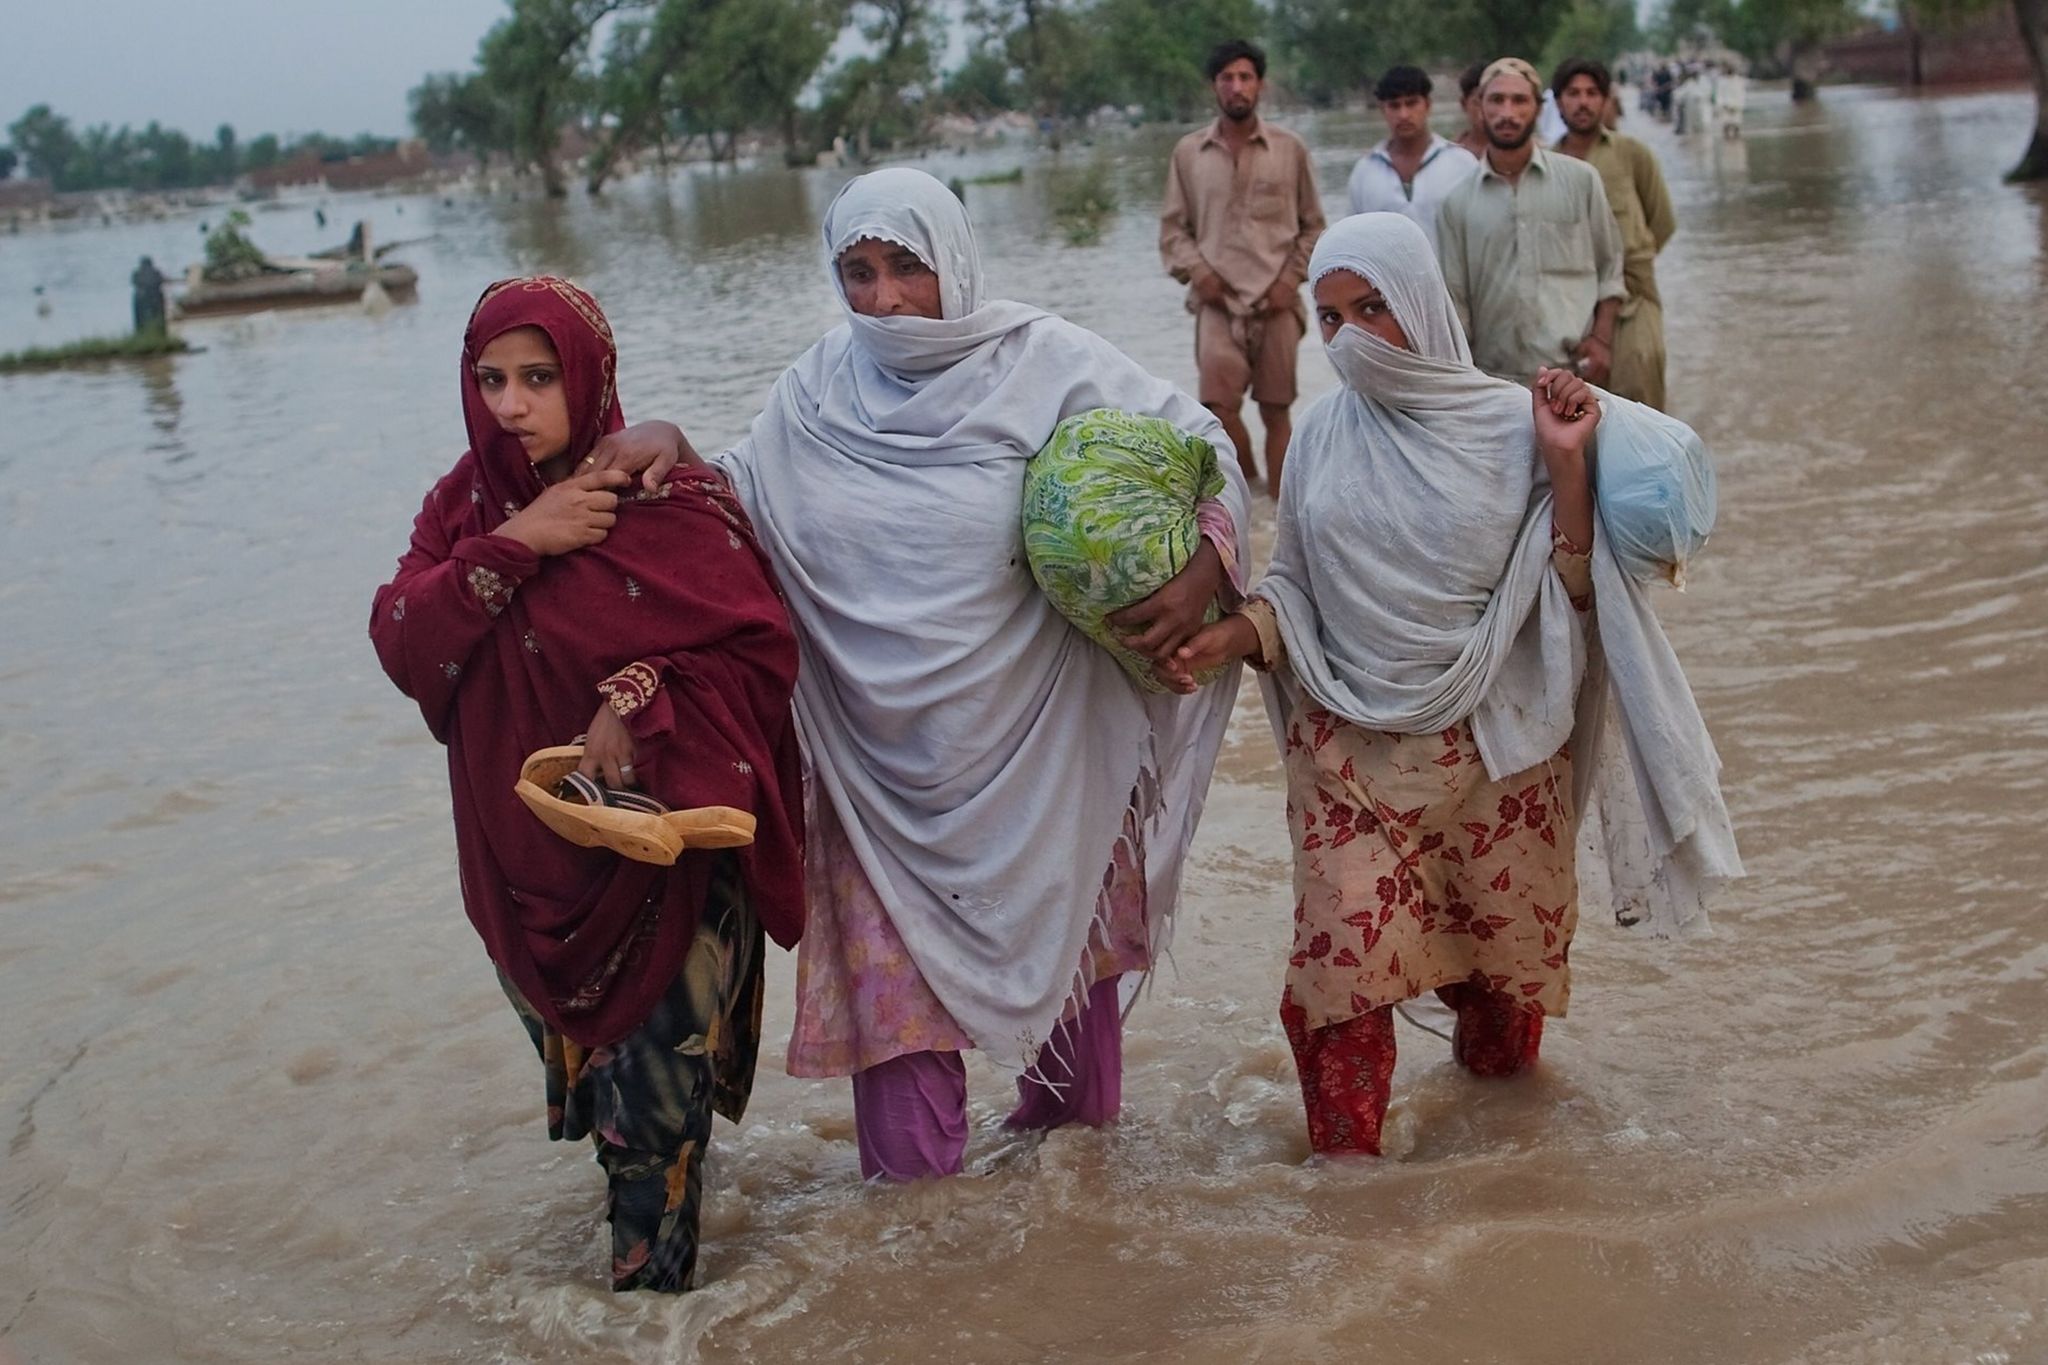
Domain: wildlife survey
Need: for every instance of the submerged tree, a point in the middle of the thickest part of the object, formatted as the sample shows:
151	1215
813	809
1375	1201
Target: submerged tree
877	97
2031	16
460	112
534	62
757	56
46	142
638	82
2033	21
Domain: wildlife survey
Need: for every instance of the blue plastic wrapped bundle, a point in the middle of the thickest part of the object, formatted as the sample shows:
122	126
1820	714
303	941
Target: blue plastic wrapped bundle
1653	486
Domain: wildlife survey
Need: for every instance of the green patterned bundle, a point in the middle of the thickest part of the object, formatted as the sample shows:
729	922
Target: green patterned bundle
1109	517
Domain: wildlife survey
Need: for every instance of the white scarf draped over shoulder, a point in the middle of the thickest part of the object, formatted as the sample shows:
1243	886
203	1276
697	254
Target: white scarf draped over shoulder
980	752
1413	586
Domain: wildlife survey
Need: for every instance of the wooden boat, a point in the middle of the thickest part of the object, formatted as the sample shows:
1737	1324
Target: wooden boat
292	283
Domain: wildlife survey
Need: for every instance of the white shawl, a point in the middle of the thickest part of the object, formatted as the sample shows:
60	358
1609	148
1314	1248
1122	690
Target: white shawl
1411	578
980	752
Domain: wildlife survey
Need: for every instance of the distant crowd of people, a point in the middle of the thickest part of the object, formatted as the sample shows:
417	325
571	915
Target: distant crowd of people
1546	221
1695	97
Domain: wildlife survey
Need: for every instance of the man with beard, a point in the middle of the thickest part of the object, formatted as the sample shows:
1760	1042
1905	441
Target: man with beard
1412	169
1242	214
1642	212
1529	247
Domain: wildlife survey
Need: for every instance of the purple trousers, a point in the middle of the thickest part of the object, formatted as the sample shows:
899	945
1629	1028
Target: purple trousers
910	1112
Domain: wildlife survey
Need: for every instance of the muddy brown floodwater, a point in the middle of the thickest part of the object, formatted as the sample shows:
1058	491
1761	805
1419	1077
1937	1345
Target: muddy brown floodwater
262	1099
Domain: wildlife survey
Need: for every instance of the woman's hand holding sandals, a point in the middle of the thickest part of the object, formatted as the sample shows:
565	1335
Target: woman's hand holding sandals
608	749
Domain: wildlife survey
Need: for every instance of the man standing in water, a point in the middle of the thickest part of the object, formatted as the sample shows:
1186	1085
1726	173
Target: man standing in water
149	296
1412	170
1642	212
1242	214
1529	247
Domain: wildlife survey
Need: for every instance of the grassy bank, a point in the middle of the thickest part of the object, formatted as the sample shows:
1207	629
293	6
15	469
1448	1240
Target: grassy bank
93	350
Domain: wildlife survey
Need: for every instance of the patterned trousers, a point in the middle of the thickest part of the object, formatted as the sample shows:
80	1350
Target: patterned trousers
1347	1068
646	1101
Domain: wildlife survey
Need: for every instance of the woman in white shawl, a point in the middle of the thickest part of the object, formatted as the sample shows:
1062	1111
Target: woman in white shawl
1424	628
997	815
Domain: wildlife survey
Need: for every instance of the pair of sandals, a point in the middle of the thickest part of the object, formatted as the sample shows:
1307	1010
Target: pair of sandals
591	815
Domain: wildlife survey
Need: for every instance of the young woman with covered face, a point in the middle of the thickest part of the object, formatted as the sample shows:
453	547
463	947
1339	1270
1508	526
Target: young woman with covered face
998	815
1424	630
535	604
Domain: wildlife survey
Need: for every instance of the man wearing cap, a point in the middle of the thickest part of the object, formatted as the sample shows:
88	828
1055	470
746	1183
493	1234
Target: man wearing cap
1412	169
1529	247
1642	211
1242	214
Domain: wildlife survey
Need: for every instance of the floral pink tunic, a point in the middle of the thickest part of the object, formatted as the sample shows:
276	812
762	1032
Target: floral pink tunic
860	998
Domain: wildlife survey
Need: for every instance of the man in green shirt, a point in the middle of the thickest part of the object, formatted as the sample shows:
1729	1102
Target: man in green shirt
1642	212
1529	248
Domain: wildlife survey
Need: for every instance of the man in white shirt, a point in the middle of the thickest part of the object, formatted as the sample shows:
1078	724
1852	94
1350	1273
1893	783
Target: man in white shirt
1412	169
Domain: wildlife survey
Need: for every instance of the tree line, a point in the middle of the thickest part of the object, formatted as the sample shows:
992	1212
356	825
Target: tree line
45	144
655	77
672	73
659	77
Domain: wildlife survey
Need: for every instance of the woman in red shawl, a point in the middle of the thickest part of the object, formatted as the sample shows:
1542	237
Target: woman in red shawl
536	604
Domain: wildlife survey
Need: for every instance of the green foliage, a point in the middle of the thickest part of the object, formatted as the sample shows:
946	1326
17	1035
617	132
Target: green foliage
1071	57
752	58
453	111
1600	29
1779	36
95	350
157	158
1082	201
1044	48
533	65
9	159
45	141
1333	49
1765	31
877	99
983	84
230	255
262	151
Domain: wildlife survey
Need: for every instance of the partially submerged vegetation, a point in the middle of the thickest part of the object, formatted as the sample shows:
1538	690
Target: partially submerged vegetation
93	351
1082	201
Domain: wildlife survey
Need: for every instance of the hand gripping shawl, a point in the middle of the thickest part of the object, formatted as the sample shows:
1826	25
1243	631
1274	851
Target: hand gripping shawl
679	597
1411	577
979	751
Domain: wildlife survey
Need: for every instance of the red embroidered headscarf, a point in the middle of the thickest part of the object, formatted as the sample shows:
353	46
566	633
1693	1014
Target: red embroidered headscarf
582	339
675	613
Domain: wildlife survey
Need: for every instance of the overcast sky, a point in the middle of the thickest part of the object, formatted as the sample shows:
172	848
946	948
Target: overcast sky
266	66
